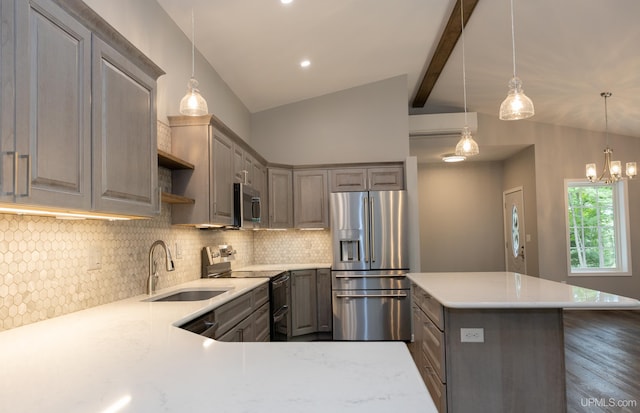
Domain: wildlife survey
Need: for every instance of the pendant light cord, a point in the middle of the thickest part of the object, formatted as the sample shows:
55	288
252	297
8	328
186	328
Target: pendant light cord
464	70
193	47
606	95
513	41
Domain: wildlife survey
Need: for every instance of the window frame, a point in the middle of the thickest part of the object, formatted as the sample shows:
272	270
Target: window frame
621	226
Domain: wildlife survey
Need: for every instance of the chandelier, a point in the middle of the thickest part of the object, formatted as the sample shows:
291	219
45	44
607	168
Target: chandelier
611	170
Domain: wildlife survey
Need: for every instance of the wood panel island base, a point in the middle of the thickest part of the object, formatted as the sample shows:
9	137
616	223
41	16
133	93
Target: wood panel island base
494	341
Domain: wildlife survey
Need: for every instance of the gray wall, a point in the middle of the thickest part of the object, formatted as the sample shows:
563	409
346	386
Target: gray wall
363	124
145	24
461	216
561	153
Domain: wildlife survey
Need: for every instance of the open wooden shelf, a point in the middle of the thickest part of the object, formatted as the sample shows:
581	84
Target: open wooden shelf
169	161
176	199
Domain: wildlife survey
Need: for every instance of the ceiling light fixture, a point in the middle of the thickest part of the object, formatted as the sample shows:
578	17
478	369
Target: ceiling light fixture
193	104
466	146
451	157
517	105
305	63
611	170
286	1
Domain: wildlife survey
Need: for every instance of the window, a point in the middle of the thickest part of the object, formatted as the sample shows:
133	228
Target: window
597	228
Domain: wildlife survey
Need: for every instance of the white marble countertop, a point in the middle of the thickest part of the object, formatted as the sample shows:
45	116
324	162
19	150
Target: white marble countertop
283	267
128	356
512	290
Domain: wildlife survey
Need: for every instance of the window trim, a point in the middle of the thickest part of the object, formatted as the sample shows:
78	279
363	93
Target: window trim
623	232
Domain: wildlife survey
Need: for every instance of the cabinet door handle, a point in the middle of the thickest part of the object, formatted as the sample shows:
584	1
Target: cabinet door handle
14	179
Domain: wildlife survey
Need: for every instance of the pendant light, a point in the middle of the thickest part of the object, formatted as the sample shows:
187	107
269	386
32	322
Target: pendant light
466	146
611	170
517	105
193	104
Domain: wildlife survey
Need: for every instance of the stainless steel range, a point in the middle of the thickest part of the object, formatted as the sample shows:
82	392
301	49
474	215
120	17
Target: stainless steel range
279	291
371	294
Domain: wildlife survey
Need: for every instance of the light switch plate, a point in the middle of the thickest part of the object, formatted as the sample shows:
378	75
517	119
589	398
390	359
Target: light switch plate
94	260
472	335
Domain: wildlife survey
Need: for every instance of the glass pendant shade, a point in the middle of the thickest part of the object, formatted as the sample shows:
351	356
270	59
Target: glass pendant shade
631	170
193	104
467	146
517	105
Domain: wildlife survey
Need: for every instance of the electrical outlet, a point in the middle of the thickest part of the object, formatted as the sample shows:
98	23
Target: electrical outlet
94	259
178	251
472	335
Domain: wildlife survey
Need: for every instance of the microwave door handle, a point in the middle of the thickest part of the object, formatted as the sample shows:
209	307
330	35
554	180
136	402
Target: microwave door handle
255	208
365	207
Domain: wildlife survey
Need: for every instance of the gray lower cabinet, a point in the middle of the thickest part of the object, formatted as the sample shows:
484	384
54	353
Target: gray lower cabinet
71	86
311	198
304	311
323	294
245	318
280	198
517	366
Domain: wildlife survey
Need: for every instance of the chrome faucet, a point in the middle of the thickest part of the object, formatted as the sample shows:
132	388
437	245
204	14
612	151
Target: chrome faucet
153	266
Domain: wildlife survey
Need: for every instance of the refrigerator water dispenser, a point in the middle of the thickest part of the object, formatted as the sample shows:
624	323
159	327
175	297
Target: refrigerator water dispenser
349	250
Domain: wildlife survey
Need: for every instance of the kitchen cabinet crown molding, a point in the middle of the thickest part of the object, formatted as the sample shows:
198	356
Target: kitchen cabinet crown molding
98	26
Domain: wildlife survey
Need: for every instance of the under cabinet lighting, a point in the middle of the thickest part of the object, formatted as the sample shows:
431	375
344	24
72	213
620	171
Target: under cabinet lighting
60	214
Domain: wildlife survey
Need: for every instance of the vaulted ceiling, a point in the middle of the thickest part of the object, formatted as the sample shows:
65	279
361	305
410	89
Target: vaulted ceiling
567	52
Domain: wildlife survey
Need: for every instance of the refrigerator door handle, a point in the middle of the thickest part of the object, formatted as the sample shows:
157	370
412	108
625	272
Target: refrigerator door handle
367	295
373	231
366	228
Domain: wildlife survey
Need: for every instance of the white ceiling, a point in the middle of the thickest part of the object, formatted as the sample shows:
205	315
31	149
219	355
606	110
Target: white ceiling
567	52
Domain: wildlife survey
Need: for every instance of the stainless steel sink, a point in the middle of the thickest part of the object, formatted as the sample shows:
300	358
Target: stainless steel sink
189	295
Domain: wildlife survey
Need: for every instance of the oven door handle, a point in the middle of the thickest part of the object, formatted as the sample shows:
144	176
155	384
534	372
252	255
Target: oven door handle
211	329
279	282
280	313
401	295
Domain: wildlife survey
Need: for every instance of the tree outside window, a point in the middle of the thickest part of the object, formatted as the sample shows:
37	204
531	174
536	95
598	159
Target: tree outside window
597	228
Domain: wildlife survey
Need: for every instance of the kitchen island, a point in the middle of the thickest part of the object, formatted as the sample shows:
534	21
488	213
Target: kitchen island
130	356
494	341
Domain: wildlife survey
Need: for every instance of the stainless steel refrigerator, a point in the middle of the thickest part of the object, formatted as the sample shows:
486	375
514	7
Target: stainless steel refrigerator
370	261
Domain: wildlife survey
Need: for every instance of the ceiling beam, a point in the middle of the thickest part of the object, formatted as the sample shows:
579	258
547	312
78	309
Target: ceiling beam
446	44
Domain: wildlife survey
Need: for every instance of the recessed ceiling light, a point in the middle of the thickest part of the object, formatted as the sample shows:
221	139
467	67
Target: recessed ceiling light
286	1
450	157
305	63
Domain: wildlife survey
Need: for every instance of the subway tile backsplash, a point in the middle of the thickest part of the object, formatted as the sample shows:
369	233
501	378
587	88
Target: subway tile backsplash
45	263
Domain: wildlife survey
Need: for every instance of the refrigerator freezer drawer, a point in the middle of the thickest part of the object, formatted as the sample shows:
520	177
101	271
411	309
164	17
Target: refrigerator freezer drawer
371	315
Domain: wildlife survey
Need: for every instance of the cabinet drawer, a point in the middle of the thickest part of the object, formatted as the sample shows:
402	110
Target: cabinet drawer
260	295
242	332
433	347
232	312
437	389
429	305
261	324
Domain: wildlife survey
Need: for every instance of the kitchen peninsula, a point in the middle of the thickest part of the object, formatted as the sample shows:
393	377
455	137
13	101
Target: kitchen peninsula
496	339
130	356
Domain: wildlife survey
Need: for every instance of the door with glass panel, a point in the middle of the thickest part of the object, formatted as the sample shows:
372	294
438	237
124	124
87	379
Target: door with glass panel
514	234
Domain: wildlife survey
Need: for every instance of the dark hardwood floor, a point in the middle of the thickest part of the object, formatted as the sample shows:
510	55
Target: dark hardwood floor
602	355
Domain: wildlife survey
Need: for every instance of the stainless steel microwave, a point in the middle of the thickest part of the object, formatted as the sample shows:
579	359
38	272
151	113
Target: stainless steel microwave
246	206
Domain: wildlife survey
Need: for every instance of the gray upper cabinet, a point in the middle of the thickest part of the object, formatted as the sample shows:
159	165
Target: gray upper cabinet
125	181
369	178
210	183
311	198
221	191
280	198
49	162
78	116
